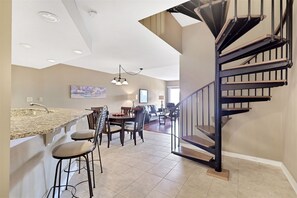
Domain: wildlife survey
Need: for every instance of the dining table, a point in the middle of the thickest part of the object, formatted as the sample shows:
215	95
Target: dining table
121	119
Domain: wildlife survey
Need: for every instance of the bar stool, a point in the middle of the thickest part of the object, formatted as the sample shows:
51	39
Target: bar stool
89	136
72	150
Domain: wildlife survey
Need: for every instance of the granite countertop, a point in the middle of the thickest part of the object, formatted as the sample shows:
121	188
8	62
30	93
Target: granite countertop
27	122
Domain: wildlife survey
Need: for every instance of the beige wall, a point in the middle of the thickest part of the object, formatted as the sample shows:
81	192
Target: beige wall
5	80
26	82
289	127
197	61
53	85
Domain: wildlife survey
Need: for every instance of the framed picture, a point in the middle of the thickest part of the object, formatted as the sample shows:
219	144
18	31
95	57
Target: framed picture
87	92
143	96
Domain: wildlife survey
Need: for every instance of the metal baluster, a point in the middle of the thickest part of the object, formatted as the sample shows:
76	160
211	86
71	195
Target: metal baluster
228	105
263	59
269	58
192	115
276	71
202	101
197	111
281	19
255	77
272	17
290	16
262	9
235	10
208	111
241	90
187	124
248	81
249	9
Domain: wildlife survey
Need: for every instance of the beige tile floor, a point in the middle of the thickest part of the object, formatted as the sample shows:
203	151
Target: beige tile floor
150	170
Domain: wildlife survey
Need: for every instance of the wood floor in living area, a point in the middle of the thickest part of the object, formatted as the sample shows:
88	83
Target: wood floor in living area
155	126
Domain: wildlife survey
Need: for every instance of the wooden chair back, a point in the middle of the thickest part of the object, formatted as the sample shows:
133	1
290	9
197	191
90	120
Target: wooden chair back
126	110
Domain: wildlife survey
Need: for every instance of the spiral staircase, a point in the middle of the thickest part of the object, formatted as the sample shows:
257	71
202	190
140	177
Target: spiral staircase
243	74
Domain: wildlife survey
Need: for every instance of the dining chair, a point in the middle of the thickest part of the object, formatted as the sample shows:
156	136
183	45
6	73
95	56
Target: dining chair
129	111
109	129
138	124
75	149
126	110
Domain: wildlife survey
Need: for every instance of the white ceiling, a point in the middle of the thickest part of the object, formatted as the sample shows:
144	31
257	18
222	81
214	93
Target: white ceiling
112	37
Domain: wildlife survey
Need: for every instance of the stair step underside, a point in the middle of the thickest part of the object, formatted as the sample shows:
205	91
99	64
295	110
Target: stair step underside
192	154
209	131
261	44
256	67
186	8
239	99
235	28
214	14
232	111
252	85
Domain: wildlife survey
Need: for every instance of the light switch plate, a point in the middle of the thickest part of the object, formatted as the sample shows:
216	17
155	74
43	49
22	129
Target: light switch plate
29	99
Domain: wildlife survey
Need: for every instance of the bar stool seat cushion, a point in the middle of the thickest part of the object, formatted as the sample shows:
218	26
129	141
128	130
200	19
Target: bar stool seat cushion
83	135
72	149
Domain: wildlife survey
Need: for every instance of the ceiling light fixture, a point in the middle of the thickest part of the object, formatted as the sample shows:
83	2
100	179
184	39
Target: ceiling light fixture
77	51
123	81
26	45
51	60
92	13
49	17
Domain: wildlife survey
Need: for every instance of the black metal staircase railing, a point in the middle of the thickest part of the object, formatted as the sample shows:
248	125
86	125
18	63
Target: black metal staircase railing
236	85
195	113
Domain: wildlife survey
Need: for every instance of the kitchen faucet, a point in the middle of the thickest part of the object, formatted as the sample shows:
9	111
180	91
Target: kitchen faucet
40	105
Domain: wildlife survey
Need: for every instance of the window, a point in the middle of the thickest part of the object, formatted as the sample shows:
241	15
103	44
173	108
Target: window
173	95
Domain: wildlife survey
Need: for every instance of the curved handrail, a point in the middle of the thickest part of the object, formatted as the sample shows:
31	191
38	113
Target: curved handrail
189	96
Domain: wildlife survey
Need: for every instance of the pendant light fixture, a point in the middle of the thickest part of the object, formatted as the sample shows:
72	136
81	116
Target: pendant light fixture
123	81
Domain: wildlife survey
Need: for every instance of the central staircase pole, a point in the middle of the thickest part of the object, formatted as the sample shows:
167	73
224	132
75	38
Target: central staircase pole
218	114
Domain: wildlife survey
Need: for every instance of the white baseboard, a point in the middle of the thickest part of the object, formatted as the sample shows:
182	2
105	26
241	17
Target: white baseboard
279	164
254	159
289	177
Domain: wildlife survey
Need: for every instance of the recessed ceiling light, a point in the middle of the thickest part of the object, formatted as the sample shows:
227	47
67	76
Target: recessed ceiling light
92	13
51	60
77	51
49	17
25	45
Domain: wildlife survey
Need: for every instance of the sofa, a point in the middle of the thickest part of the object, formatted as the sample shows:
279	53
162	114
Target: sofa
152	113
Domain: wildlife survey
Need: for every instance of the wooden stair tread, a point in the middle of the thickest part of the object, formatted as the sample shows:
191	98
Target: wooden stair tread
256	64
250	43
198	140
246	96
207	129
236	109
228	23
242	99
193	154
256	82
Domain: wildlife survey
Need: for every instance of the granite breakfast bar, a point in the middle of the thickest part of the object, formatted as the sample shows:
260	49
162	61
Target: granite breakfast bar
34	133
